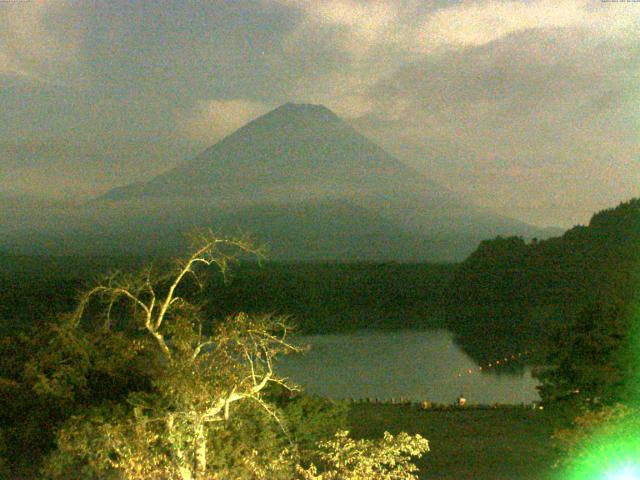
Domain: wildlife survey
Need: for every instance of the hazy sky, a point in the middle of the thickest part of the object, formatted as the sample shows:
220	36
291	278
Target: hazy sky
529	107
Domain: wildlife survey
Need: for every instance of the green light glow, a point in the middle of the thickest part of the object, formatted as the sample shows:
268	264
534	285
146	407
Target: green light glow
609	459
613	451
631	472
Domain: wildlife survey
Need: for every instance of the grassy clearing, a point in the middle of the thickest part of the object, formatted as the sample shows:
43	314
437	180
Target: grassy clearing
473	444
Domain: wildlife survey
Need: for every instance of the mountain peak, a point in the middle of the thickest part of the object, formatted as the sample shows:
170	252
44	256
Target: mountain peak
293	145
304	108
296	112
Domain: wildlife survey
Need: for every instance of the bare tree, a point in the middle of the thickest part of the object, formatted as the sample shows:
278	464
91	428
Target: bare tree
197	377
199	373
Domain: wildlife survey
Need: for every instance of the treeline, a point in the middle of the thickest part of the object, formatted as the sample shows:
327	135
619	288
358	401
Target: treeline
504	298
514	292
330	297
599	257
35	289
320	297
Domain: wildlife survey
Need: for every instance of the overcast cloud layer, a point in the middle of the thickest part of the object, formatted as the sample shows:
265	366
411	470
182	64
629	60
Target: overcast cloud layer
528	107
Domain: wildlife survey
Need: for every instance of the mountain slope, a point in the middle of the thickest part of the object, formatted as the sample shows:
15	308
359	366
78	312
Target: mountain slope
292	145
298	178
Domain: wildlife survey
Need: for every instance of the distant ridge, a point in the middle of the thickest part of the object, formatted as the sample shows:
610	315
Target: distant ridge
298	178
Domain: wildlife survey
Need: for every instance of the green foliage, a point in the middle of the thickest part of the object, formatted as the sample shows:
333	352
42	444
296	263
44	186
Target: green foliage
494	271
328	297
31	410
86	367
90	445
191	405
121	440
140	382
195	383
4	469
478	444
599	258
49	375
250	432
589	358
343	458
323	297
86	443
312	419
506	281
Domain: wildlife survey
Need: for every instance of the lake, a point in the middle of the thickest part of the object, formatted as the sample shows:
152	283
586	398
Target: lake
417	365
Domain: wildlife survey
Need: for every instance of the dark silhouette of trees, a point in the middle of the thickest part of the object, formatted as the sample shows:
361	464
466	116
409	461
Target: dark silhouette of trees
589	358
519	292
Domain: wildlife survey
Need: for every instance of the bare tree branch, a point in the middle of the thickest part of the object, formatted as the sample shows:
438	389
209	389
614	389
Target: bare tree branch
201	377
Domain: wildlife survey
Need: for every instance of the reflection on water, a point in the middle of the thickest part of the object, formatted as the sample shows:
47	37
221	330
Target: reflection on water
417	365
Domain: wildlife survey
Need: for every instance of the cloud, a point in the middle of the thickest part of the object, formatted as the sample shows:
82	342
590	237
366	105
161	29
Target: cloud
480	22
358	28
339	48
368	19
212	120
521	105
39	40
376	38
540	118
8	65
412	28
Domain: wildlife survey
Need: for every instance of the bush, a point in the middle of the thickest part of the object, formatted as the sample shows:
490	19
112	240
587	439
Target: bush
343	458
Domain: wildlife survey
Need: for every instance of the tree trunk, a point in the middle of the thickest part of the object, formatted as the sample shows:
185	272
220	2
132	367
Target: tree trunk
201	450
185	473
184	469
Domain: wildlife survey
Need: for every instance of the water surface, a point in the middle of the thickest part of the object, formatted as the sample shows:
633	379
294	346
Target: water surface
418	365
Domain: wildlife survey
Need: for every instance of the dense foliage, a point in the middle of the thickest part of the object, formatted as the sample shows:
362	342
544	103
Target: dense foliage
593	373
139	381
600	257
323	297
343	458
590	358
517	292
326	297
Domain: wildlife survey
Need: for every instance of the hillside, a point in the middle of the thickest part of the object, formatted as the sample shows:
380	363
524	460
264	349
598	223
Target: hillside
516	290
600	257
297	178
